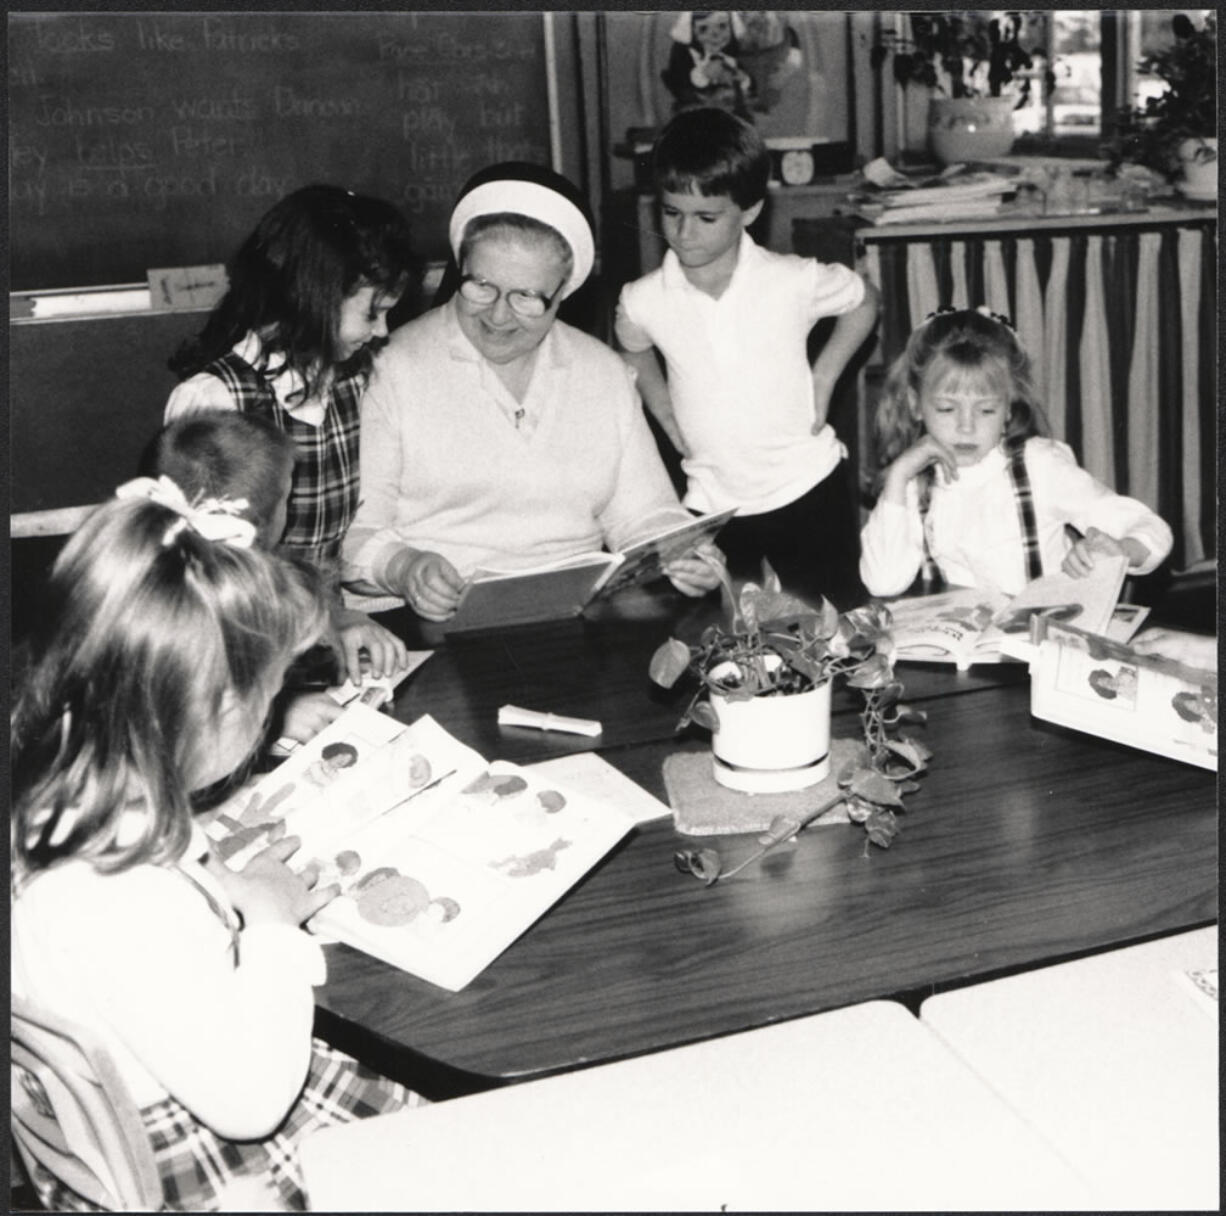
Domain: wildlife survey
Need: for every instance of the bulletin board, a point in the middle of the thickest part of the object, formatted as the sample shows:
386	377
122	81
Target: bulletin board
141	140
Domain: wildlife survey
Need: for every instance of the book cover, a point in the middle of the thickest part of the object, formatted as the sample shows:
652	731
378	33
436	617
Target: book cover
1103	687
496	598
646	559
493	599
443	859
965	626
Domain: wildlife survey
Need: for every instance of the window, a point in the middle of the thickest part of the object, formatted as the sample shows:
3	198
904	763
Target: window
1093	56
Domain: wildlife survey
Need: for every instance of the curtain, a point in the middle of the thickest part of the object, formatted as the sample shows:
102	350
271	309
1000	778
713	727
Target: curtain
1121	326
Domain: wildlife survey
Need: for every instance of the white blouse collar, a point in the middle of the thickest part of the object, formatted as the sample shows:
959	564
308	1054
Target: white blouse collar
287	384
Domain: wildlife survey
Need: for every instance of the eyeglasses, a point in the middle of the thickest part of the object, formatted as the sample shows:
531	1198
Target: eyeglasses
522	302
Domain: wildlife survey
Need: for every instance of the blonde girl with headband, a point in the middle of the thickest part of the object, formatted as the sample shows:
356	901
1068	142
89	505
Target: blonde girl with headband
496	435
969	482
166	636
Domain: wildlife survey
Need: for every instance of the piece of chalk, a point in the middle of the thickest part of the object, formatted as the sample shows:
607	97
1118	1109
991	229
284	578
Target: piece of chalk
513	715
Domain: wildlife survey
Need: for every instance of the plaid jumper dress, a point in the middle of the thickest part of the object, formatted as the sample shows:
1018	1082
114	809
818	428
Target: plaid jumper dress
324	495
1023	495
195	1164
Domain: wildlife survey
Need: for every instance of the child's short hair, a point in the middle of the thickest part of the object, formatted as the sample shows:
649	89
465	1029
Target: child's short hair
711	151
289	278
966	338
150	630
225	454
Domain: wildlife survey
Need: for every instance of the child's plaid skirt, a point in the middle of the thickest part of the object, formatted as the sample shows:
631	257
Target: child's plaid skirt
195	1164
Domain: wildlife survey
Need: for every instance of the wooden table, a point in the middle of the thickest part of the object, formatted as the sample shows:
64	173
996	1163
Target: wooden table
828	1113
1113	1059
1027	844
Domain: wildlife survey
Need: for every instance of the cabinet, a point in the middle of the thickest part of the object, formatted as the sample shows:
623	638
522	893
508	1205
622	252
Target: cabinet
1119	316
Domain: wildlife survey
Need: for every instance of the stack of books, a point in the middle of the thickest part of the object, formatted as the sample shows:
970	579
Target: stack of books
961	194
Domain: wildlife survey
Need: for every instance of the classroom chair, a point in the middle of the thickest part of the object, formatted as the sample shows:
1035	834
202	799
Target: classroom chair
72	1114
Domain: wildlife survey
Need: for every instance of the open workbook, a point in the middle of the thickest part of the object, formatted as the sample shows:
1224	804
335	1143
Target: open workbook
966	626
561	589
442	859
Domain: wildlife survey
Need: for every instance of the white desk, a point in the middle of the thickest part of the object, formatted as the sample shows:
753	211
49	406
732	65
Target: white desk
857	1109
1113	1059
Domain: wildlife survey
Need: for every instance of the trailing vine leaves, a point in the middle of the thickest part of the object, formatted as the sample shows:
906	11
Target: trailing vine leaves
777	644
707	864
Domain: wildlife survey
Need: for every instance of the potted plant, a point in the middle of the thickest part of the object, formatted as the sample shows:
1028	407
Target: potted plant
1175	132
976	70
763	690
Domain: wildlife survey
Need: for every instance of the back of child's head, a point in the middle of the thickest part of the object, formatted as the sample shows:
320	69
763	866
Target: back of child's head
289	278
225	454
151	632
957	345
710	151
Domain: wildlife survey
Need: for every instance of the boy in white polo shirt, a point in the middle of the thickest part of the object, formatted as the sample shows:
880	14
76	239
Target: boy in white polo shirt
741	402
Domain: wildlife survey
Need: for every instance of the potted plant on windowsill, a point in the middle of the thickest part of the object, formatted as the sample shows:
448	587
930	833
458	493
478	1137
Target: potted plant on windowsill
764	685
1175	133
976	70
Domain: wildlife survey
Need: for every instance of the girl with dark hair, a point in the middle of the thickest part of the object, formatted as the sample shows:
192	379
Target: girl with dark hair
293	339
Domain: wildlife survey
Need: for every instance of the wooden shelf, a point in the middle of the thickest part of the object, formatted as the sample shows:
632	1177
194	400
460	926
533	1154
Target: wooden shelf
1181	214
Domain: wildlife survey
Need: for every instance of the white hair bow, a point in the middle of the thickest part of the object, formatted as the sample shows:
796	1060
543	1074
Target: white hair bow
213	518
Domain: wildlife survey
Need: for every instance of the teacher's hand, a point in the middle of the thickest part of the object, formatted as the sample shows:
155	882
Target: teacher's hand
430	584
697	572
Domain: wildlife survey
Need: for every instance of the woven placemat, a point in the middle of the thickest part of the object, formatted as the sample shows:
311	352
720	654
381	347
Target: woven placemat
703	807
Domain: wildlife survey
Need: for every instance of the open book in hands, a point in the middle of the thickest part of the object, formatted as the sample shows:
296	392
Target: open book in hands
495	598
442	859
965	625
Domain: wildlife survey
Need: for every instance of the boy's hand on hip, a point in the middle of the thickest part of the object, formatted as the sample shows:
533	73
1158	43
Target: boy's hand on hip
822	391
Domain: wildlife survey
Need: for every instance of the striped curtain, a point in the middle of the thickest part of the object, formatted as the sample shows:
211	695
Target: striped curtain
1121	326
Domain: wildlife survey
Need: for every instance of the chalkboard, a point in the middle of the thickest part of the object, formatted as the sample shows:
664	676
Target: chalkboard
142	140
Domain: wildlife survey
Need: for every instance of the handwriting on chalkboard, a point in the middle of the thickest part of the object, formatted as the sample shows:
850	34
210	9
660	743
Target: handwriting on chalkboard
158	139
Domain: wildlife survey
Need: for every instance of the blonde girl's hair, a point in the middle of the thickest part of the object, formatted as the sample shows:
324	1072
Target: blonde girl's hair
148	625
967	339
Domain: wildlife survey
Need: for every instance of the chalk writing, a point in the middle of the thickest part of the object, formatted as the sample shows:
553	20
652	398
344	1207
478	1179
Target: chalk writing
158	138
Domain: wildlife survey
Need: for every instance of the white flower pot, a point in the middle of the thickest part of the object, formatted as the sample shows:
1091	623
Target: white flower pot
770	744
1199	158
970	128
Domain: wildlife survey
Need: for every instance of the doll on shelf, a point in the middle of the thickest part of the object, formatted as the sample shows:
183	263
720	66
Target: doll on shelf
702	64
